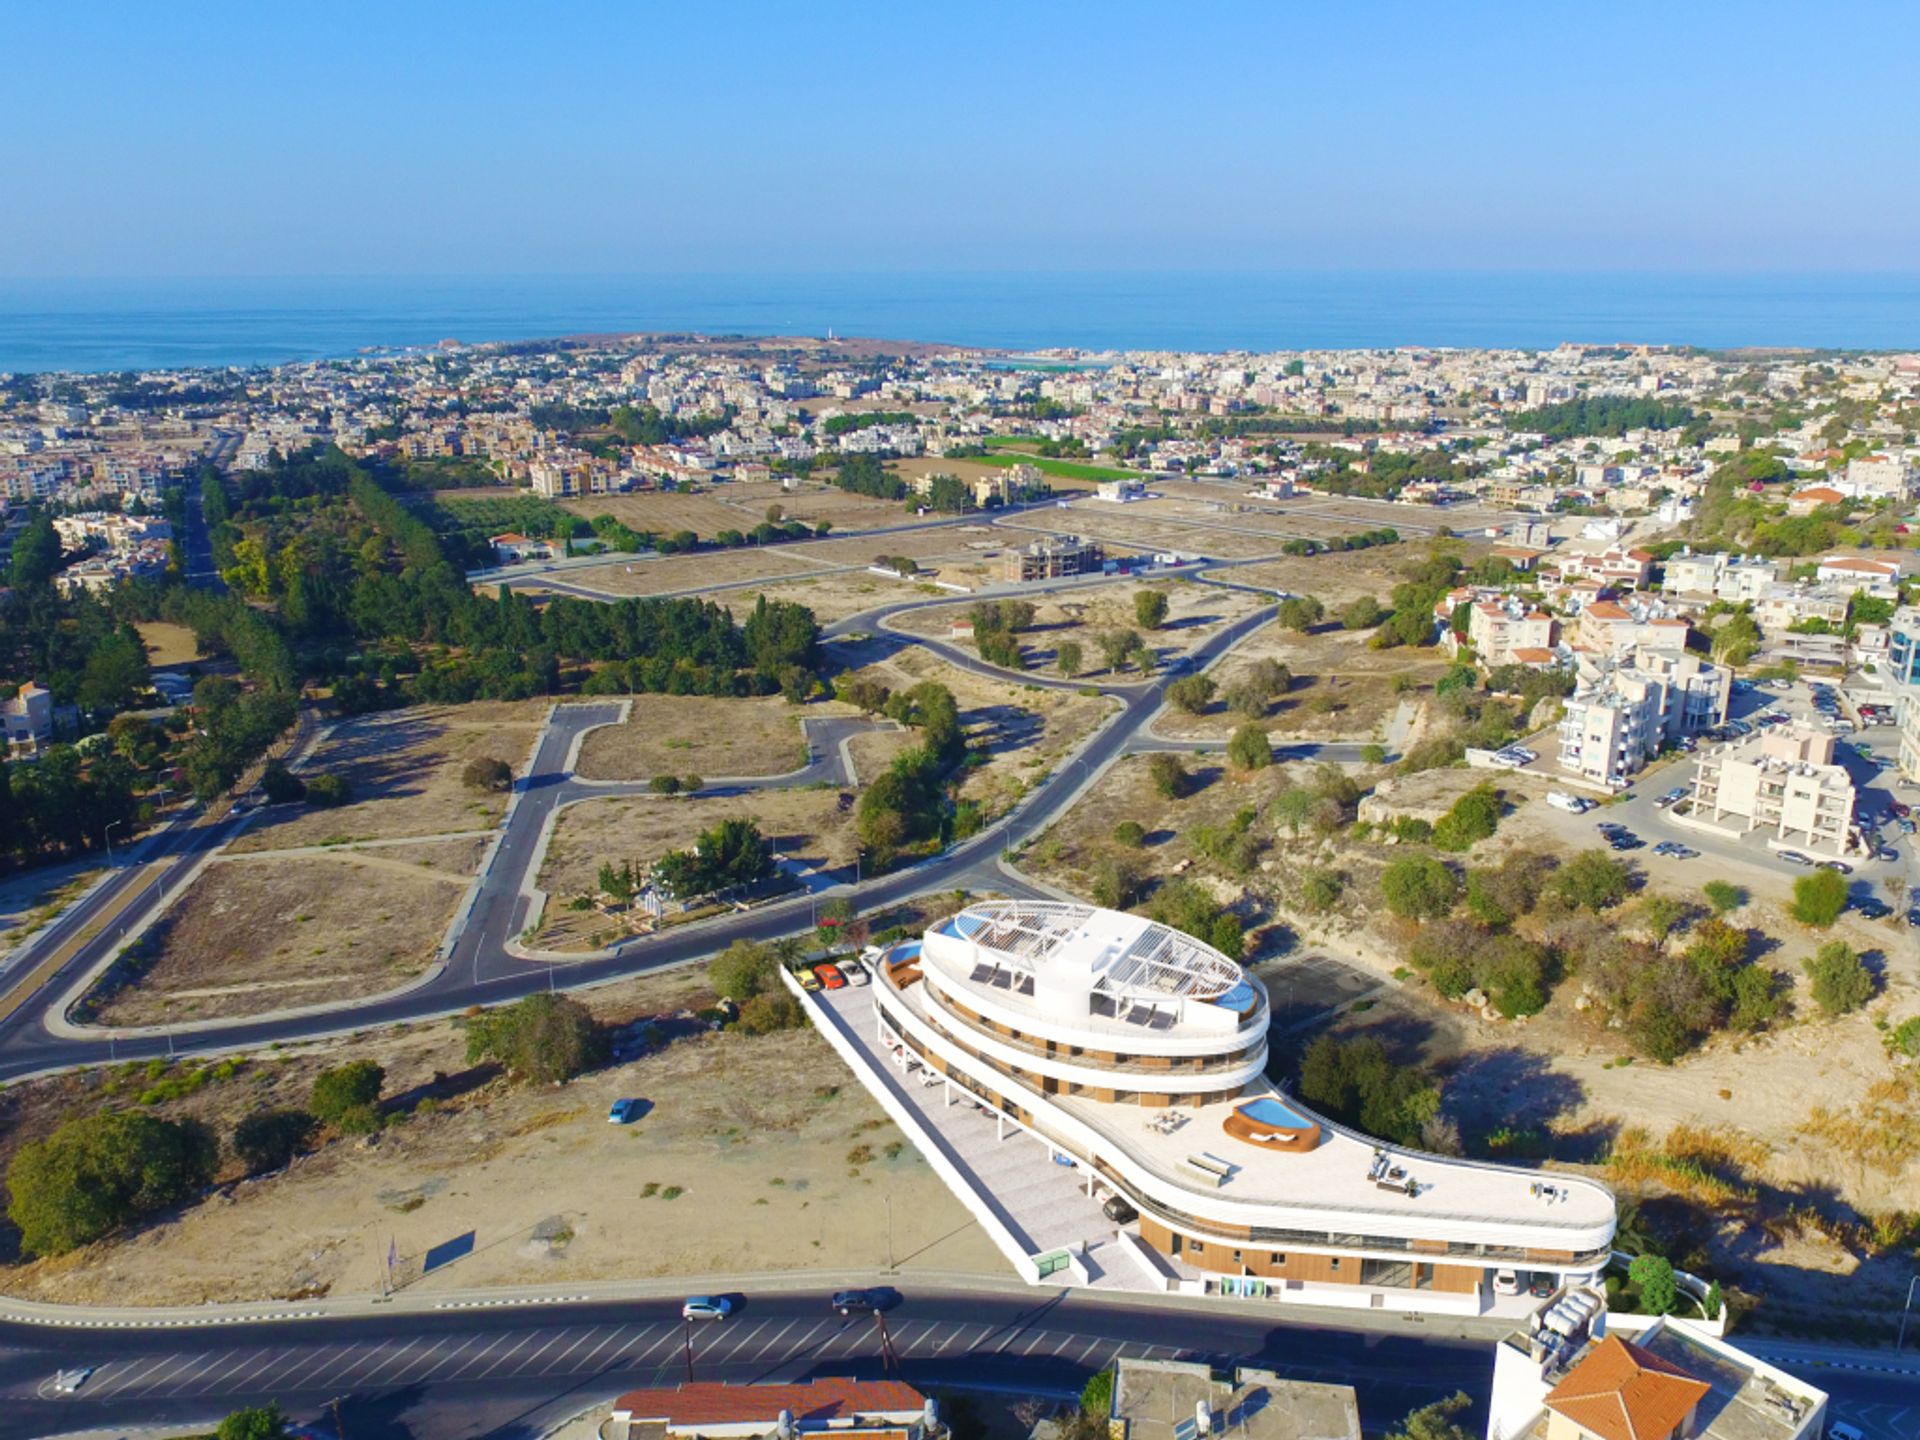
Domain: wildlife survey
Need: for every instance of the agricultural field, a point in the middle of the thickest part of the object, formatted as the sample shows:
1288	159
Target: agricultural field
695	735
755	1153
809	827
403	772
256	935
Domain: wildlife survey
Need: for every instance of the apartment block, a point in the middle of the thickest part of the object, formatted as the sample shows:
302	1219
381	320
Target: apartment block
1609	627
1507	631
1052	558
1782	780
1625	711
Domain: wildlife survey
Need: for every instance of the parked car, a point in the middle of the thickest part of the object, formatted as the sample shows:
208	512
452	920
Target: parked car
625	1111
808	980
1678	793
830	977
1118	1210
1794	857
706	1307
855	972
1506	1282
1542	1284
1673	849
68	1381
1839	867
1625	840
1841	1430
859	1302
1874	909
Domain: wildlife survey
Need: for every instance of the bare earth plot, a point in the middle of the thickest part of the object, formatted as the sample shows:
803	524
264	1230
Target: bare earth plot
955	542
252	936
168	644
830	598
1195	612
1023	729
695	735
806	826
1342	690
757	1154
403	771
672	574
1123	533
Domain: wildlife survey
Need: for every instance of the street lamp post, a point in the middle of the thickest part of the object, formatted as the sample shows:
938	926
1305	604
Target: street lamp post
1900	1342
107	835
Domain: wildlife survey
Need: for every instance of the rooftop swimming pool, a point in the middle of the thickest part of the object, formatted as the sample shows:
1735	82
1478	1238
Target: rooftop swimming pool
1241	999
1269	1111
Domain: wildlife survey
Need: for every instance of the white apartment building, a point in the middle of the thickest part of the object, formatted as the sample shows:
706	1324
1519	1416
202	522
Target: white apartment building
1781	779
28	718
1608	627
1733	578
1625	711
1507	631
1139	1054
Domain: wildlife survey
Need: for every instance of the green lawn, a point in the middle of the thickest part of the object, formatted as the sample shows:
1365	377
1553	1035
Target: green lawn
1059	469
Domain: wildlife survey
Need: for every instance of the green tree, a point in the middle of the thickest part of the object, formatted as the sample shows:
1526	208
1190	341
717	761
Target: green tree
1819	898
1190	693
1436	1421
280	785
1652	1276
100	1172
1149	608
1358	1082
1841	982
1129	833
348	1096
1473	817
264	1422
743	970
1169	776
1301	612
36	554
269	1139
1067	657
545	1038
1249	748
1361	613
1117	647
1418	887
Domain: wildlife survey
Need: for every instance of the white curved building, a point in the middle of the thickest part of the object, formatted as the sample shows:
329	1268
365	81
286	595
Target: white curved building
1141	1053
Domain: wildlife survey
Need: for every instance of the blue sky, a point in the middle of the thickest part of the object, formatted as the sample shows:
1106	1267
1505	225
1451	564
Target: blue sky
413	138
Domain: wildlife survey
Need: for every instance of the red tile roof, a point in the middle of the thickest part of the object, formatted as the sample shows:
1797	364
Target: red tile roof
813	1401
1621	1392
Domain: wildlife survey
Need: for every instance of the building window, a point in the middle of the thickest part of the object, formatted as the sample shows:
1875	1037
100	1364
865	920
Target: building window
1277	1258
1336	1262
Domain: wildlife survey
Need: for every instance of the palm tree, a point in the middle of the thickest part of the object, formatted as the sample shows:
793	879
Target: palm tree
789	950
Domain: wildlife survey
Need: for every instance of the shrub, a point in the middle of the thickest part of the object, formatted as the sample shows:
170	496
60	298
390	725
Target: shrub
328	791
483	772
1373	755
102	1171
1150	608
1435	1421
1169	776
1819	898
1301	612
281	785
264	1422
348	1095
1361	614
1250	749
1129	833
1320	890
1116	881
664	785
1474	817
545	1038
1418	887
269	1139
769	1012
1592	880
1096	1396
1841	983
1723	896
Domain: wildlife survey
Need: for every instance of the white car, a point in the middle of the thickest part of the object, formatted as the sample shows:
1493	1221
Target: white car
706	1307
68	1381
1506	1282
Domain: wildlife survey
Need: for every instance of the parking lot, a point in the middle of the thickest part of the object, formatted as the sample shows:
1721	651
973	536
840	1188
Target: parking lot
1642	813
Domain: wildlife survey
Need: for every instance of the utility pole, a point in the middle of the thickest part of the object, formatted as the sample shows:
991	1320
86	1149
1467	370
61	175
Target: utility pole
687	1325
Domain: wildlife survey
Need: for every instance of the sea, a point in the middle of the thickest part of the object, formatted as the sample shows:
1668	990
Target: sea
126	324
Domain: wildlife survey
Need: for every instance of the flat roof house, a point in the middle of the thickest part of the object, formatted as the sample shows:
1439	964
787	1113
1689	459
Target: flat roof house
717	1410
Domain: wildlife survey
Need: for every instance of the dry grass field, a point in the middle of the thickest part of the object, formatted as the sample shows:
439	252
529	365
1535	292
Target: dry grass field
806	826
695	735
755	1154
741	505
680	574
403	768
1195	612
251	936
168	644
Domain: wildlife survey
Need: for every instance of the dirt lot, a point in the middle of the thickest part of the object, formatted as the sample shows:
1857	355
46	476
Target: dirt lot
168	644
741	505
1341	689
1025	729
403	768
673	574
807	826
696	735
1117	528
756	1154
251	936
1195	612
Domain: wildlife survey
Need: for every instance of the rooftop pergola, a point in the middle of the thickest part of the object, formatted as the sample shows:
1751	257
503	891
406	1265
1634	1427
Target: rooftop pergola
1151	960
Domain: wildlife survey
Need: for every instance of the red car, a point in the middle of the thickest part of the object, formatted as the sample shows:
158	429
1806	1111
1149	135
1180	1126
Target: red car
830	977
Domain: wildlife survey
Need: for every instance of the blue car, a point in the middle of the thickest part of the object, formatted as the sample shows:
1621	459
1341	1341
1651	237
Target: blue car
625	1112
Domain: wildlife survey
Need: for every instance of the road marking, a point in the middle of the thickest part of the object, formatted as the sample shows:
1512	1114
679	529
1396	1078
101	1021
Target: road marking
594	1354
199	1373
177	1361
558	1337
121	1381
454	1353
287	1379
223	1376
386	1360
801	1343
775	1340
669	1337
561	1358
519	1344
1092	1345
